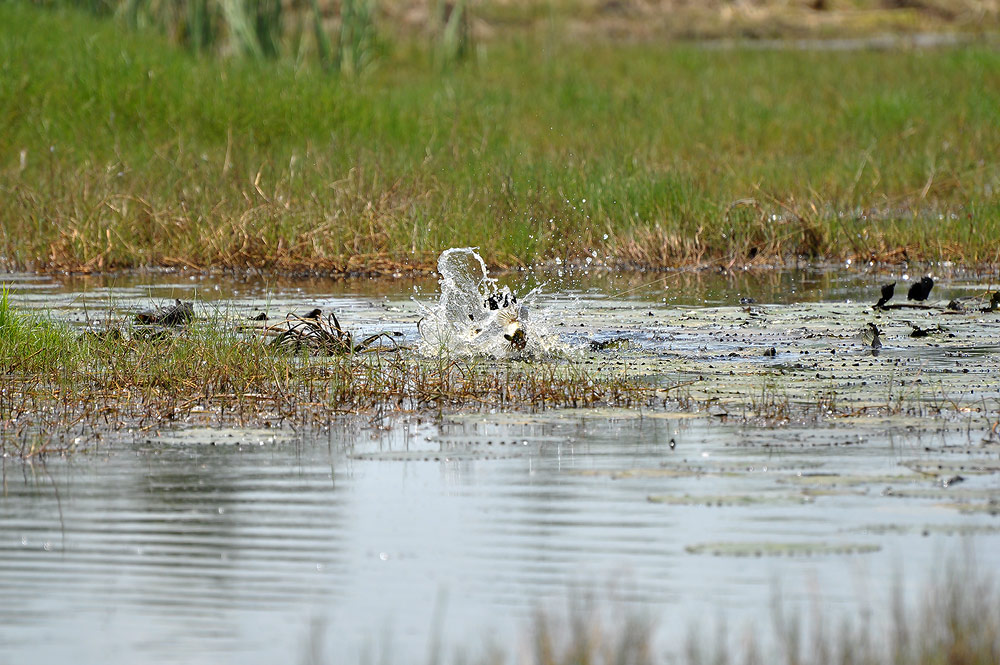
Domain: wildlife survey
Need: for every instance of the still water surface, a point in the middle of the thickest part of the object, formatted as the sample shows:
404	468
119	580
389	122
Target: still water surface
372	542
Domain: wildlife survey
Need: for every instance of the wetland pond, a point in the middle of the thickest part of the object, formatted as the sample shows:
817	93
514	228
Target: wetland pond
795	464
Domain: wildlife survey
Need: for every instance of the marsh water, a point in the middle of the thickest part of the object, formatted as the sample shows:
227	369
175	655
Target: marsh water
398	538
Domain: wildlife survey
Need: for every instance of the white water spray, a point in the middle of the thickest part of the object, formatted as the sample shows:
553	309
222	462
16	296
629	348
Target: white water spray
476	316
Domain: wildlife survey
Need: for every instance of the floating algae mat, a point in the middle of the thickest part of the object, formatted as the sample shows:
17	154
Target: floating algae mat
830	480
780	549
774	452
725	500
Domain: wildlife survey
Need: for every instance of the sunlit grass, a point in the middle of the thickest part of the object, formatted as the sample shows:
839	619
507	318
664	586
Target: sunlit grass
119	151
30	343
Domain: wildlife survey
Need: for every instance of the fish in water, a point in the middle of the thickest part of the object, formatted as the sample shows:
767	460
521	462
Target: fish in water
920	290
887	292
513	330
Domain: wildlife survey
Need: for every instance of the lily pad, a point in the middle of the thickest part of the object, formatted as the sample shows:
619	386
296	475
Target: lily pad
928	529
212	436
952	494
781	549
989	507
934	467
846	480
434	456
727	500
621	474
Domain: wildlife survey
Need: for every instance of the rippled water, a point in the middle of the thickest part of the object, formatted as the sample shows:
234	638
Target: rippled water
374	541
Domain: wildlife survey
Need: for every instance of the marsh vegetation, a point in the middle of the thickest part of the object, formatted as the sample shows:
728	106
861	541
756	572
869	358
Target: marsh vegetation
59	382
108	161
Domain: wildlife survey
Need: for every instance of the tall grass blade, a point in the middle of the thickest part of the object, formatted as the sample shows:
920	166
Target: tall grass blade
268	28
454	43
355	48
241	27
324	49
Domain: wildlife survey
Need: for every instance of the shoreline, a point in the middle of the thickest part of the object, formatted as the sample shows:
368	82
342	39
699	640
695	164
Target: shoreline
388	271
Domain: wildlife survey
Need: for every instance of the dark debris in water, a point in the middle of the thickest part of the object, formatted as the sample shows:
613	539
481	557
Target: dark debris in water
325	336
612	344
924	332
151	325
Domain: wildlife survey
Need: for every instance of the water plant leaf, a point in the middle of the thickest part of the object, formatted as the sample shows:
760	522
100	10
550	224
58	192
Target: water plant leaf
760	549
725	500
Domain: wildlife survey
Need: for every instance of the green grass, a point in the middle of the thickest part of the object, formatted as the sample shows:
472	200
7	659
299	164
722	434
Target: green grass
120	151
58	381
30	343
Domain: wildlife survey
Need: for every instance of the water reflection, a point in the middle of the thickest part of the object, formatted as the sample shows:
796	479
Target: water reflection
683	288
224	545
163	543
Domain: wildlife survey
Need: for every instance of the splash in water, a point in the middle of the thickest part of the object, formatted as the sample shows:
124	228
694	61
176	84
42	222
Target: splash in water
477	316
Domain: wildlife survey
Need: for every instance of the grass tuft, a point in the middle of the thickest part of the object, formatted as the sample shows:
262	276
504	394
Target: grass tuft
30	344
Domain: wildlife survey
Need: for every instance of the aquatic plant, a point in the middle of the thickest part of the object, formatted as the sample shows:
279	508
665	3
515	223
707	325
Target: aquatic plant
57	381
29	343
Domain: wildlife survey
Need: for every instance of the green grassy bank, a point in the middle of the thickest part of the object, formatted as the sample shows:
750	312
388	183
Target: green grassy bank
120	151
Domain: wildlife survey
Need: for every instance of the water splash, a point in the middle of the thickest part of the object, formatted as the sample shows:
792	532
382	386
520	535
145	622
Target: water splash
475	315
